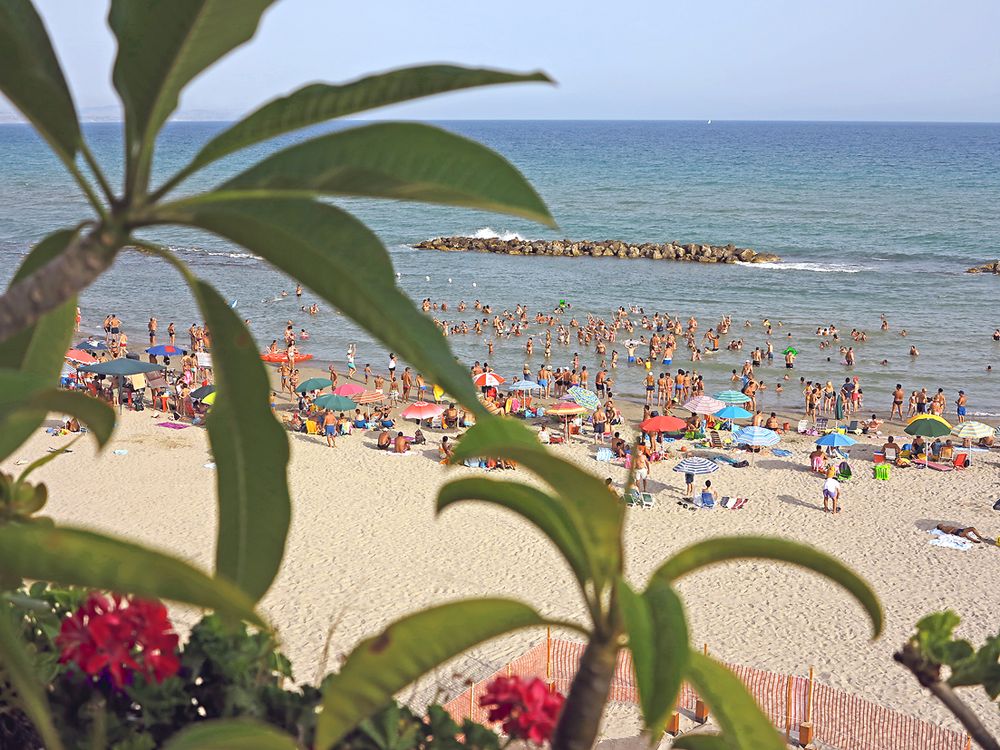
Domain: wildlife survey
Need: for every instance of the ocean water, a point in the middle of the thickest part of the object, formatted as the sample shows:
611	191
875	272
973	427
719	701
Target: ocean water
868	219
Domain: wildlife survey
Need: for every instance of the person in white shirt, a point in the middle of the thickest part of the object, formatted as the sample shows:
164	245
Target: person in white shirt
543	435
831	492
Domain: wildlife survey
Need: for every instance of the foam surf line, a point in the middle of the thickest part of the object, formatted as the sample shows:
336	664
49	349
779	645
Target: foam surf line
805	266
488	233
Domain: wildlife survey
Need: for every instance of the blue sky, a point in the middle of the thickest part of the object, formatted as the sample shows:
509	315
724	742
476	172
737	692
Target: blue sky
765	60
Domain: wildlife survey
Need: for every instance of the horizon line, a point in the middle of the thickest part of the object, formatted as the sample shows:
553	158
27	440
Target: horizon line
207	121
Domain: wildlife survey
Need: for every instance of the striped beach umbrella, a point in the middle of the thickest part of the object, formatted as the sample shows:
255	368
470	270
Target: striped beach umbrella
928	425
585	398
972	431
732	397
80	357
696	465
704	405
756	436
368	397
488	379
525	385
566	409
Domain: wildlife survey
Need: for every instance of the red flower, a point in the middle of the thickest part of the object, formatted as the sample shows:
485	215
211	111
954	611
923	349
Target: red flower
120	637
528	709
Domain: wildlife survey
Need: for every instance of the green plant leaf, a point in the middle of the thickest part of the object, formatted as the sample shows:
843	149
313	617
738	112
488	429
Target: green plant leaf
76	557
31	78
320	102
702	742
379	667
340	259
596	511
229	734
406	161
251	453
41	348
725	549
161	47
658	639
546	512
24	403
744	725
16	668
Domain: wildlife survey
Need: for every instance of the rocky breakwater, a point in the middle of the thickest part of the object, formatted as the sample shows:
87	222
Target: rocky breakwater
604	249
990	267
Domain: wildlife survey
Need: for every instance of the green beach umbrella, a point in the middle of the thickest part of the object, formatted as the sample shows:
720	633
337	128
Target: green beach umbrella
732	397
928	425
313	384
335	403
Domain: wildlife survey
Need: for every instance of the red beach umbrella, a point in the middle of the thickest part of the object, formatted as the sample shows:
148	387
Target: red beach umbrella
422	410
663	423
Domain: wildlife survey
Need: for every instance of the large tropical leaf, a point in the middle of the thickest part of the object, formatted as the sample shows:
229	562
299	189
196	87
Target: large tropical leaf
41	348
724	549
407	161
24	403
382	666
229	734
31	78
162	45
548	513
597	511
320	102
251	454
658	639
17	670
340	259
702	742
734	709
76	557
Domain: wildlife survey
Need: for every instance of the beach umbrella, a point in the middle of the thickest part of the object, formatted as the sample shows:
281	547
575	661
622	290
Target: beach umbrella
80	357
209	400
315	384
422	410
199	393
490	406
368	397
835	440
92	345
732	397
972	431
704	405
165	350
756	436
121	367
696	465
928	425
663	423
349	389
585	398
566	409
525	385
335	402
488	379
733	412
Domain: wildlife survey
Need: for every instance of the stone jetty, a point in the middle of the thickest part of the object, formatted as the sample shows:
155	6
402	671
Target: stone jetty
990	267
603	249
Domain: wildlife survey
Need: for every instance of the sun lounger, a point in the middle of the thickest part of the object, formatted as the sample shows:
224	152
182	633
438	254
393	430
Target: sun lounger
934	465
714	440
647	500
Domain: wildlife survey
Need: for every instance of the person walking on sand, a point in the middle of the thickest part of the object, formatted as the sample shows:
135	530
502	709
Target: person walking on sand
831	492
641	469
330	428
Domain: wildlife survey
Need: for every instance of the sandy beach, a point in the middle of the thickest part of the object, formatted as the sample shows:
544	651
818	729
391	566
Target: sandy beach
365	547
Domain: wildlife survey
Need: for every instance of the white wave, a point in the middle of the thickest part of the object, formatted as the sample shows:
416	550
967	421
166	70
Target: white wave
488	233
806	266
984	414
213	253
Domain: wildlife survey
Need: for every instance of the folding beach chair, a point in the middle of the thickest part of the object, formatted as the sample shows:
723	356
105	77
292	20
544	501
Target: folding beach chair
821	423
854	428
961	461
714	440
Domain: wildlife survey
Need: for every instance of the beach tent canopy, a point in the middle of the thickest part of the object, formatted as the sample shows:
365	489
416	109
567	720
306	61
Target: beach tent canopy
121	367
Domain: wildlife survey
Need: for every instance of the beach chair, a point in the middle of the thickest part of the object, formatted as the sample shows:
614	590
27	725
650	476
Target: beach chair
311	427
844	472
821	424
803	426
647	500
633	497
854	428
961	461
714	440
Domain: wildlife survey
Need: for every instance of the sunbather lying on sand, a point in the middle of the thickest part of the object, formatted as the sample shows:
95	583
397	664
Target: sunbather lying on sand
968	532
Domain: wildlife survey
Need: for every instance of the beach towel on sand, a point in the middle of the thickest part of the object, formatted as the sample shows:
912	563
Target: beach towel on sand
949	541
173	425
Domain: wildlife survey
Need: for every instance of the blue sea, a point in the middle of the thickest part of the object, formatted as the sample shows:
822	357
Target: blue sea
869	218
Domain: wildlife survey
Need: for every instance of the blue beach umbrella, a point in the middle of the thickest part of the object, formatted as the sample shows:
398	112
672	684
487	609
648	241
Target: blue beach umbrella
525	385
696	465
756	436
835	440
165	350
733	412
732	397
92	345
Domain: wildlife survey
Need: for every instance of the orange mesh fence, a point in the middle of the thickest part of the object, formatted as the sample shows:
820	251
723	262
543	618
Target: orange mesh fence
839	719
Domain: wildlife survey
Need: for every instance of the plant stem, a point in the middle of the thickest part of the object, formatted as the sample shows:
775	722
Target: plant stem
581	715
929	676
109	194
86	258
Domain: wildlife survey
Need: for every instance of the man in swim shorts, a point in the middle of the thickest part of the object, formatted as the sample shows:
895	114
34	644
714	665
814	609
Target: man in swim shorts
330	428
